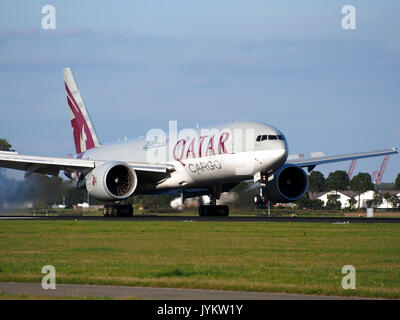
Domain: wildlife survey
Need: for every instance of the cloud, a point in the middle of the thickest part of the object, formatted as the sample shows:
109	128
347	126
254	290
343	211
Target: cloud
14	34
9	34
34	48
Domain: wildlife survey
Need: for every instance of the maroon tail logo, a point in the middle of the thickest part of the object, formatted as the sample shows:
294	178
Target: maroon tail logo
82	135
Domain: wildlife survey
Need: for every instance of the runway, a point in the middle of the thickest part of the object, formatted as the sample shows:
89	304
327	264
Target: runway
121	292
333	220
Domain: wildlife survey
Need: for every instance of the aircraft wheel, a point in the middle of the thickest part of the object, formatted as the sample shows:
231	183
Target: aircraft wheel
201	210
213	211
225	211
112	211
126	210
120	210
257	199
130	211
105	211
219	211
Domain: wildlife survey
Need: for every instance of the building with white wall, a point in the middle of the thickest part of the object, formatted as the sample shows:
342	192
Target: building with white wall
343	197
369	195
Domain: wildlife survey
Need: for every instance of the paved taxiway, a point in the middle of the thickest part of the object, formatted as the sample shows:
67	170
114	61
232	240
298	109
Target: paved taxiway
119	292
338	220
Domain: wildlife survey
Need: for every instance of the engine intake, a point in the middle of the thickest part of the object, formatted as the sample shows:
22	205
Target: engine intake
111	181
290	183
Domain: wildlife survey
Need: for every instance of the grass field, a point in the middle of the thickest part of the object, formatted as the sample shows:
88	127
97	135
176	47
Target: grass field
271	257
283	212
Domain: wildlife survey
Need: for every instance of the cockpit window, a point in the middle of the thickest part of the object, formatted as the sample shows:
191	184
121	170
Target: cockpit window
270	137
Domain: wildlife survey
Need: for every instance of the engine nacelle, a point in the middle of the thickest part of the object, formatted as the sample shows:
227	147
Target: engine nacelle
111	181
290	183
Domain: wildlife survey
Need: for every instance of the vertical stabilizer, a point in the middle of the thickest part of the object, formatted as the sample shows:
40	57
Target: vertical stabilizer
85	136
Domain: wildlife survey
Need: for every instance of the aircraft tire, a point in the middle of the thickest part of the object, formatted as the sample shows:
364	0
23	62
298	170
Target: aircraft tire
225	211
213	211
257	199
123	210
105	211
201	210
130	211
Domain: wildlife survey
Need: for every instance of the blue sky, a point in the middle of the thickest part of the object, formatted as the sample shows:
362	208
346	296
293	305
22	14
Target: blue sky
141	63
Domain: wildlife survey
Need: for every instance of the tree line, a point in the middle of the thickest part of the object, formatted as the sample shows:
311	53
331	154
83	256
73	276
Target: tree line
40	190
339	181
44	190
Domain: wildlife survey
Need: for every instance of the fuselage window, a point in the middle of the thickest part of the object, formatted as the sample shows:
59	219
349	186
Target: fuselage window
258	138
272	137
264	137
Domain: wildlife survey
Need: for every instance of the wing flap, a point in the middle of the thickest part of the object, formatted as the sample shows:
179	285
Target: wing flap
46	165
51	165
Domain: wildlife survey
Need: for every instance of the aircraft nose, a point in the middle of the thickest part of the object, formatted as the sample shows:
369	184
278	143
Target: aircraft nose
283	154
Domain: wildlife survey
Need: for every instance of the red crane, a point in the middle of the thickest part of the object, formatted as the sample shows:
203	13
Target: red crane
377	176
351	169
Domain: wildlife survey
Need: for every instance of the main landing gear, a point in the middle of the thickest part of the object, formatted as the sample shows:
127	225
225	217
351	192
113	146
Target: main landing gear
118	210
212	209
260	199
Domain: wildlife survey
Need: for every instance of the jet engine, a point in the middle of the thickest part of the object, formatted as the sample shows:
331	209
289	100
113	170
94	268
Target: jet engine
111	181
290	183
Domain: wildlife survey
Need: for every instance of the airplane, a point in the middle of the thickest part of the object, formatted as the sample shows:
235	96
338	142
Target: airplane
191	163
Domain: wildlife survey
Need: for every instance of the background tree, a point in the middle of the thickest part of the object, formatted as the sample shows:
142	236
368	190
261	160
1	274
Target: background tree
5	182
306	202
360	184
377	199
394	201
387	196
337	180
4	145
316	182
397	182
333	202
352	203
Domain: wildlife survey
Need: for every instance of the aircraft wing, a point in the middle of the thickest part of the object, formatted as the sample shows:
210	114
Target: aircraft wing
52	166
312	162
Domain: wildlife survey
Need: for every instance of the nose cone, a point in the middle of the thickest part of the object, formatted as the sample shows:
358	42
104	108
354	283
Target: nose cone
272	147
283	146
273	158
283	153
280	146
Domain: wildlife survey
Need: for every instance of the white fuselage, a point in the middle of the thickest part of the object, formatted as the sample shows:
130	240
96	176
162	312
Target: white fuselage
202	157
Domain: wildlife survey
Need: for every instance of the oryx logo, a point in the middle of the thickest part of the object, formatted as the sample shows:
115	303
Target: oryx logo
94	181
82	135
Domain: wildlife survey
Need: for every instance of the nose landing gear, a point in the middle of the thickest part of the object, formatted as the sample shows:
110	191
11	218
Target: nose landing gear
260	199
